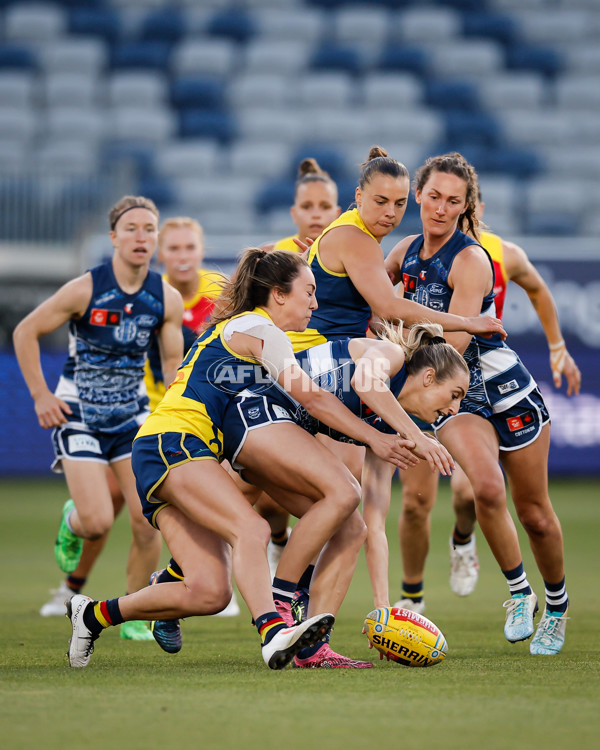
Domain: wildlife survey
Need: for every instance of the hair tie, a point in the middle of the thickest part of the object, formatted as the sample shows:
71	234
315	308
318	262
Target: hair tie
124	211
437	340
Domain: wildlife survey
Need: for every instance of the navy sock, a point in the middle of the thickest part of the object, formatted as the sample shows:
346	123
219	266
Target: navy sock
269	625
517	580
100	615
557	599
412	591
459	539
75	584
283	591
306	577
280	539
171	573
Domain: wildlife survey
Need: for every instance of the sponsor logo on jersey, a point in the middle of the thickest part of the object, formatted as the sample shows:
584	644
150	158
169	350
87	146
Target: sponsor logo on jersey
101	317
409	282
128	308
512	385
518	423
436	289
422	274
146	321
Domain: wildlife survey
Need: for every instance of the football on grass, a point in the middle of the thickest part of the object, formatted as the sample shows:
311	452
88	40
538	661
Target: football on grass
405	637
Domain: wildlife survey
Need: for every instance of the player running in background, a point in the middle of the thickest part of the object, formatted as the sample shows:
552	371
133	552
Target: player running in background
503	415
114	311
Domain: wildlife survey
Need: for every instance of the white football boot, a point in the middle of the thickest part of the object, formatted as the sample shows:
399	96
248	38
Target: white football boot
417	607
549	637
520	611
464	567
81	643
285	644
56	605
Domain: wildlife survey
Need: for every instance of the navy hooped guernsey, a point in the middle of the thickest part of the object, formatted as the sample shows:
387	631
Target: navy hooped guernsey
103	377
498	378
331	367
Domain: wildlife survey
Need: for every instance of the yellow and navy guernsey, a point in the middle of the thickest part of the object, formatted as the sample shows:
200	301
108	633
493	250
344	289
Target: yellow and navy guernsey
493	244
343	313
210	375
196	312
287	243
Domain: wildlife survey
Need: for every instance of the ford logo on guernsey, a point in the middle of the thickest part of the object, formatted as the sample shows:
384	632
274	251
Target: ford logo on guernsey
231	375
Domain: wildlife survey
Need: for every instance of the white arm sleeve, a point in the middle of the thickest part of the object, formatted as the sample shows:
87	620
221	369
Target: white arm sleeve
277	353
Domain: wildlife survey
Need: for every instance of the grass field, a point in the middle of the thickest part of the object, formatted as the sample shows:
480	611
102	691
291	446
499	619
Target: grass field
216	693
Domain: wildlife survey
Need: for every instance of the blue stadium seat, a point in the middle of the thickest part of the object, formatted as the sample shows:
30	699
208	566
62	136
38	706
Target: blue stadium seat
275	194
16	56
201	92
551	224
332	57
95	21
201	123
404	57
510	160
330	158
475	127
140	55
232	23
452	94
521	56
140	156
157	189
167	24
485	23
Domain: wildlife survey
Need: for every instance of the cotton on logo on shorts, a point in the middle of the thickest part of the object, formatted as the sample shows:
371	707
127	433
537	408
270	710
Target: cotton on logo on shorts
280	412
512	385
83	444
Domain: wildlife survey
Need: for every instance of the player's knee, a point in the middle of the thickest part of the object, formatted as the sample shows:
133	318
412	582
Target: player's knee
96	525
346	496
208	595
414	511
490	493
538	523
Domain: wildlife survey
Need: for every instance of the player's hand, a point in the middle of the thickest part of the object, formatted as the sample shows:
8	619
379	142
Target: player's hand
431	450
51	410
394	448
562	363
485	325
303	245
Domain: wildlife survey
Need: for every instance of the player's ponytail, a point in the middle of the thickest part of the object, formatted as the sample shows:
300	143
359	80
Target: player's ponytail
425	346
257	274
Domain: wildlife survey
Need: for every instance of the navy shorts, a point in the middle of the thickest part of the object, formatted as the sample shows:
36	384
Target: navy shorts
153	456
247	413
518	426
74	442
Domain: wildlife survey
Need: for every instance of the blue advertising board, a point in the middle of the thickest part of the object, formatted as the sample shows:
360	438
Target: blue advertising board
575	439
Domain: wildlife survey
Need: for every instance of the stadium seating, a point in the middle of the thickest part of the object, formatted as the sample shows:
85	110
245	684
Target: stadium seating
222	92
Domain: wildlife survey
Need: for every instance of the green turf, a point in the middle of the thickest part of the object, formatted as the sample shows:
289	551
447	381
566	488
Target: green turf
217	693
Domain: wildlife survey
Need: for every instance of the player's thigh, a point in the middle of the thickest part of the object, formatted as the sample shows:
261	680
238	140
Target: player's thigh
88	487
473	442
204	492
352	456
292	459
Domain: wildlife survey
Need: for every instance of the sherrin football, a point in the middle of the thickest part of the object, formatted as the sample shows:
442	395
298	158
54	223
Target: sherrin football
405	637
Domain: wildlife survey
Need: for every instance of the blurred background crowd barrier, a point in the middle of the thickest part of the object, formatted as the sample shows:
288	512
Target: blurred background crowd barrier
207	107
